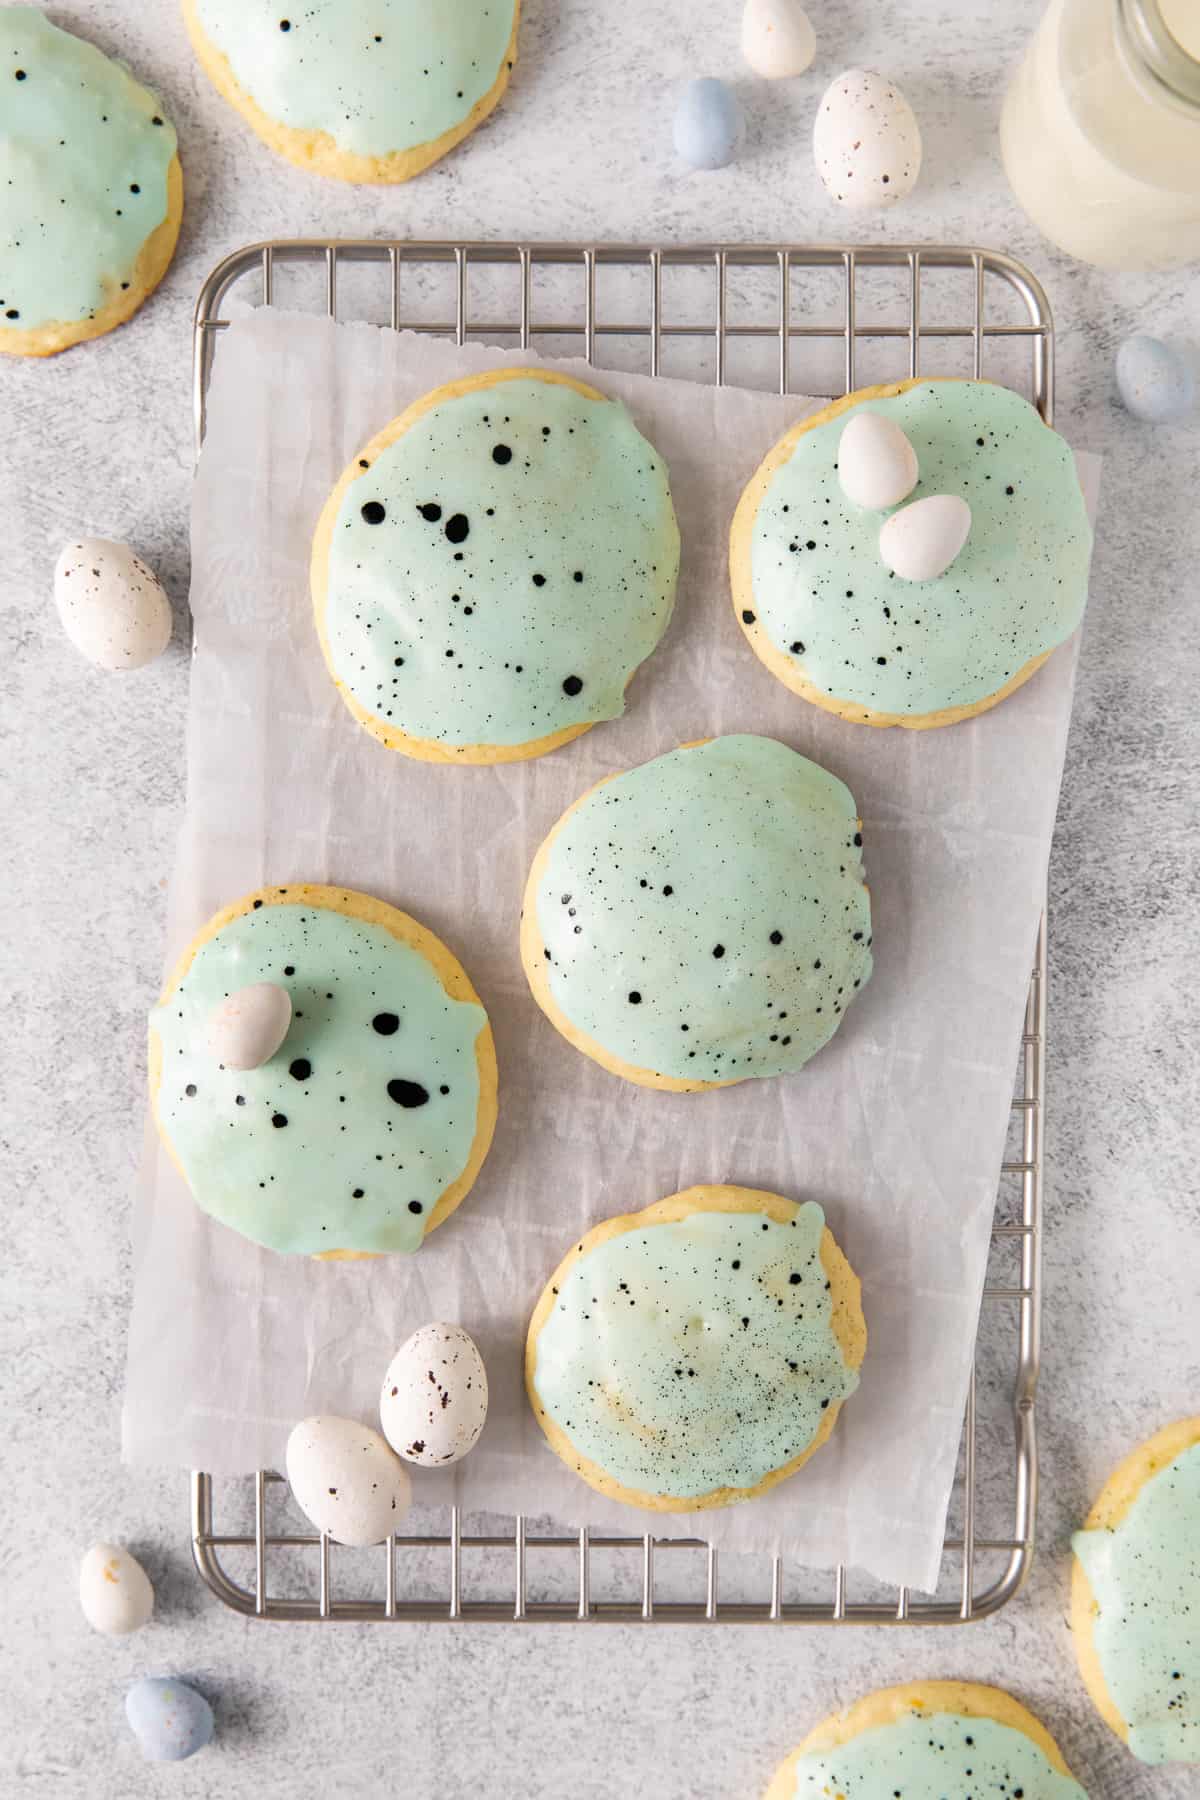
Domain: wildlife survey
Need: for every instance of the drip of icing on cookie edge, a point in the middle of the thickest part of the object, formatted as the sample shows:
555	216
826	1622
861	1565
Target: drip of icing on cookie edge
85	151
646	1357
705	913
1145	1576
934	1753
1016	589
377	75
348	1136
503	567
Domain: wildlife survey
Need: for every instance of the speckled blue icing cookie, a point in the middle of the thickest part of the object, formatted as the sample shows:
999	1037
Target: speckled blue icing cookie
91	192
370	1122
830	619
702	918
1135	1602
696	1353
492	568
361	90
938	1740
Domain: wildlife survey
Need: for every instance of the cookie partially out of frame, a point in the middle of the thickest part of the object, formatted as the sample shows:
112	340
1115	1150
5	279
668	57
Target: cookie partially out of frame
1135	1615
696	1353
952	1738
829	619
90	210
493	567
703	918
370	1123
360	90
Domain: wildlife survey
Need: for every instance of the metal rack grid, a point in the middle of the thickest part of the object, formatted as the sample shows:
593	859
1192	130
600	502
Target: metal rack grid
716	302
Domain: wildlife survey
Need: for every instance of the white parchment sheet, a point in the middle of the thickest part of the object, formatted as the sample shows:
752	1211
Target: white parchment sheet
896	1128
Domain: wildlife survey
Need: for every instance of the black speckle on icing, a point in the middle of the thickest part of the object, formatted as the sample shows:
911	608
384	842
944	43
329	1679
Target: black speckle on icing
374	512
386	1023
408	1093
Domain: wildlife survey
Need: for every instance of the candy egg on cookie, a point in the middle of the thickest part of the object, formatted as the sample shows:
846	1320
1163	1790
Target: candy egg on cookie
919	542
435	1395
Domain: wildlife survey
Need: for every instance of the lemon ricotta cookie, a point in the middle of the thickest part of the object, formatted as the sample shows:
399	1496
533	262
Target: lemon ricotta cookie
696	1353
702	918
953	1739
493	567
360	90
322	1073
92	193
913	553
1135	1598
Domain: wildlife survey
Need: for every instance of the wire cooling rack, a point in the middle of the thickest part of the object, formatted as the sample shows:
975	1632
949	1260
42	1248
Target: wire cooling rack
797	318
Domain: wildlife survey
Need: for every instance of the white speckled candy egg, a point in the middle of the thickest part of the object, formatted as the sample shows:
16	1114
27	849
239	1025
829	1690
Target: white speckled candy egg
112	606
247	1027
435	1396
708	124
346	1480
877	466
1155	382
866	140
777	38
114	1591
170	1720
920	541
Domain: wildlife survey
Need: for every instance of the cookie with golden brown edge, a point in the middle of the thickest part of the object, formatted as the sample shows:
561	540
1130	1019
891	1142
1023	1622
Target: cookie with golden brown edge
698	1352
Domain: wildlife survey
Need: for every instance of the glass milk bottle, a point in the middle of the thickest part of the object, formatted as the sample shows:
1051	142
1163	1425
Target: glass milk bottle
1100	132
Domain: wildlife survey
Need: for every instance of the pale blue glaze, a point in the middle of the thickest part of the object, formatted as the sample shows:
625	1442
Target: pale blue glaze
1017	588
722	886
934	1756
521	564
1145	1577
84	155
377	75
351	1167
695	1355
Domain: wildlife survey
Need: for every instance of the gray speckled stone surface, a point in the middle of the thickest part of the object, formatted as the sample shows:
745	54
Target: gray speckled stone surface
100	441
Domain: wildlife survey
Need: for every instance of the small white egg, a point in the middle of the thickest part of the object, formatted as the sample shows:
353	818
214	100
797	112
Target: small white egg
112	606
346	1480
247	1027
777	38
435	1396
866	140
920	541
114	1591
877	466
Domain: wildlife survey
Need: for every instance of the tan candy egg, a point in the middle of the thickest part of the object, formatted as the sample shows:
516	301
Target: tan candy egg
112	606
346	1480
114	1591
248	1026
777	38
866	141
435	1396
877	466
919	542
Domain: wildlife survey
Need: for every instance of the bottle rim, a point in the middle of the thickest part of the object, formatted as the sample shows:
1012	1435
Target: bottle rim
1156	55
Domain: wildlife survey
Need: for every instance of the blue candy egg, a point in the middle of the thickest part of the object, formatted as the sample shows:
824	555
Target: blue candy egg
1154	381
708	124
170	1720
